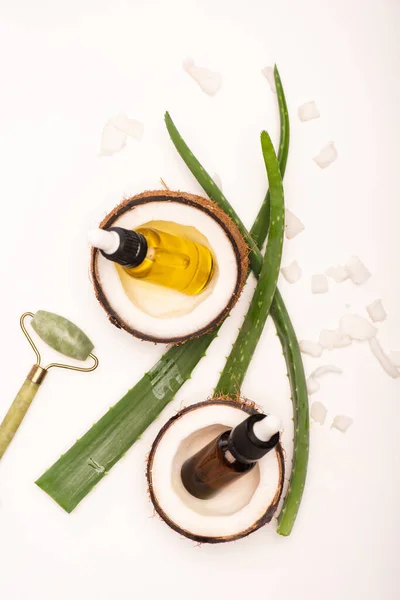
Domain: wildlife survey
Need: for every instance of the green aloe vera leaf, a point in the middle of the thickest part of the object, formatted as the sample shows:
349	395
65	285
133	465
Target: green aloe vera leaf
260	227
77	471
239	359
62	335
56	481
69	480
286	335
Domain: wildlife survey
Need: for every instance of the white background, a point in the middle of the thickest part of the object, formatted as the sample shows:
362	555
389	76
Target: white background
66	68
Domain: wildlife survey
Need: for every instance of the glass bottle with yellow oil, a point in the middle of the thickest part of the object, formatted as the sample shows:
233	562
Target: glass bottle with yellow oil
156	256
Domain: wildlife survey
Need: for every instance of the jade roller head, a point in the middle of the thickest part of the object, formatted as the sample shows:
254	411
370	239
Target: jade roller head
64	337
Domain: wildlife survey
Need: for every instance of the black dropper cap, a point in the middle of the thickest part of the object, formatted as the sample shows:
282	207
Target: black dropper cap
245	446
132	248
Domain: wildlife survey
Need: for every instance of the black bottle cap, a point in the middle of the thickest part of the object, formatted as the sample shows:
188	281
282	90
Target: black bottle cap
245	446
132	248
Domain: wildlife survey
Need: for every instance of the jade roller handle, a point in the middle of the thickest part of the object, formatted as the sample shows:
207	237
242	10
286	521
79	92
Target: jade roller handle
18	409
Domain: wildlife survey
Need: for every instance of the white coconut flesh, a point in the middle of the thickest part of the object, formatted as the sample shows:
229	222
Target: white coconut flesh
158	312
235	510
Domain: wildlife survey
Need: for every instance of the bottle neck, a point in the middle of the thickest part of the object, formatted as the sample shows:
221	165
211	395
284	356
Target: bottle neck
132	249
243	444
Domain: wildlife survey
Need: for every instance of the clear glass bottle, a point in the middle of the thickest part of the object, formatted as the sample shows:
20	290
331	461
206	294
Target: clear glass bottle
230	456
158	257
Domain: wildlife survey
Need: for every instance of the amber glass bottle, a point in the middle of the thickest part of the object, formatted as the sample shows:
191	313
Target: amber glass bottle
158	257
230	456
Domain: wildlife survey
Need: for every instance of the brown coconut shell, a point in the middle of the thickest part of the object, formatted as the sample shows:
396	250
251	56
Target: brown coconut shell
249	408
207	206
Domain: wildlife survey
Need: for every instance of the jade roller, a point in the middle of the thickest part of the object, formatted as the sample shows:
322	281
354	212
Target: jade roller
64	337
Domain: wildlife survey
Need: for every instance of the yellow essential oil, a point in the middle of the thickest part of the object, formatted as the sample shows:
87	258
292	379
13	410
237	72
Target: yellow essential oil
168	259
174	262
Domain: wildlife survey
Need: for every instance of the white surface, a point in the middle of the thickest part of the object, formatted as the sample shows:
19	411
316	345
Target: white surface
67	68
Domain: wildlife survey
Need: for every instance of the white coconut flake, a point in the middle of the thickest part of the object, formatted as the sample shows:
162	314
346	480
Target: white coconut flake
342	423
358	272
129	126
376	311
324	369
115	133
209	81
308	111
394	356
293	225
217	180
319	284
318	412
112	140
342	339
292	272
333	338
311	348
312	385
327	156
383	358
268	73
338	274
357	327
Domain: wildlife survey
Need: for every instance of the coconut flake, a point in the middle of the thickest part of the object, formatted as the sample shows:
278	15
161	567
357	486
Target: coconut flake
112	140
217	180
385	361
311	348
333	338
327	156
338	274
115	133
293	225
292	272
128	126
312	385
324	369
319	284
376	311
209	81
358	272
342	423
342	339
308	111
268	73
318	412
394	356
357	327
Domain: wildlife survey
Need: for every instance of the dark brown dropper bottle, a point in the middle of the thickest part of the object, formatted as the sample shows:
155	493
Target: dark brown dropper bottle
230	456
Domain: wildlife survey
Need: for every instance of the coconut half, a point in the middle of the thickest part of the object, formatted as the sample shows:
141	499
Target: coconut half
158	314
240	508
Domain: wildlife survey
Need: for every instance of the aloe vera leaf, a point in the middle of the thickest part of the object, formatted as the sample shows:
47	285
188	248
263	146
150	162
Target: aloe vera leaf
260	227
239	359
62	335
56	482
287	336
77	471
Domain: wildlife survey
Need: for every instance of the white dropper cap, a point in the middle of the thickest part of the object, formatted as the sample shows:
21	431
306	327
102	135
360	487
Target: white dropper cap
108	241
266	428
